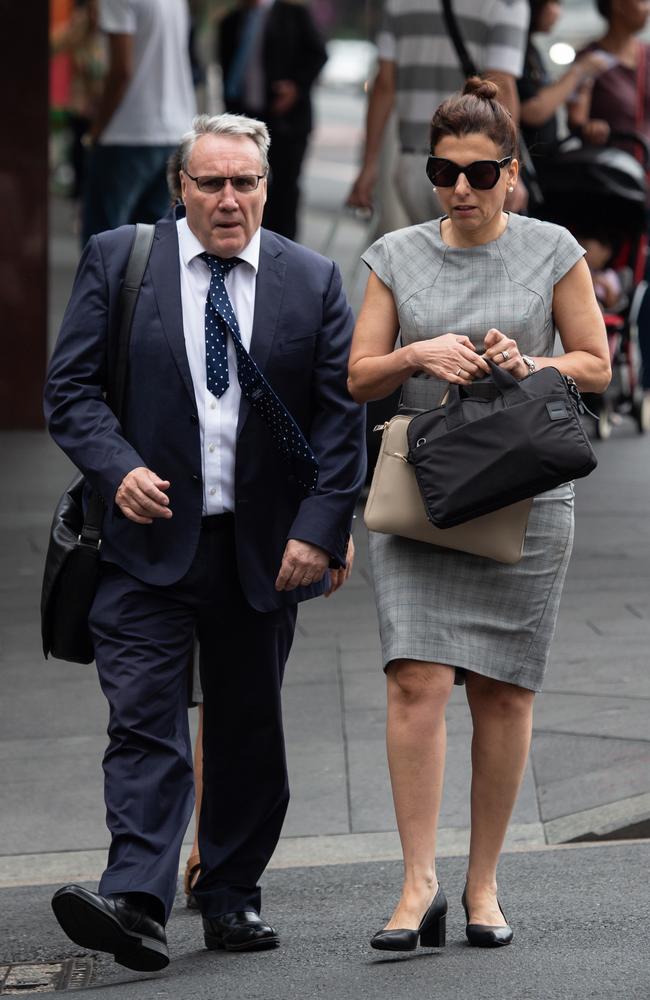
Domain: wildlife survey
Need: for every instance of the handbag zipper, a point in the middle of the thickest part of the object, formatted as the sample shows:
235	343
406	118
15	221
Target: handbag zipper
576	398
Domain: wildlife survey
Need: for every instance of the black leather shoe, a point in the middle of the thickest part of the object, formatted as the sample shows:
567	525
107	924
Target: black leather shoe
97	923
241	931
431	932
485	935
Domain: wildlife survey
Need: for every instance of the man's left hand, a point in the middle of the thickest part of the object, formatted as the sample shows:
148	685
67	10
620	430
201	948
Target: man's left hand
302	565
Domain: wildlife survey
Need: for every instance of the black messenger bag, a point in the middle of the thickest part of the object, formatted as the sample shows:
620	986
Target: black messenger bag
498	442
71	571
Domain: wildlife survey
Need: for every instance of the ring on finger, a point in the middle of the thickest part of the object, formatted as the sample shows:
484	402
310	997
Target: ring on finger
506	355
458	372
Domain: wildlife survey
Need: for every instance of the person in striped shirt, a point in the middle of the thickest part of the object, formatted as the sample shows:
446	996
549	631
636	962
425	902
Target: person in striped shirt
418	69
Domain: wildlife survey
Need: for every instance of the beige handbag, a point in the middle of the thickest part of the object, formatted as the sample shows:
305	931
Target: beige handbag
395	507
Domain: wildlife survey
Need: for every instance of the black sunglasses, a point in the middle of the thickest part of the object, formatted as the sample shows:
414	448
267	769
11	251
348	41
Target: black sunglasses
481	175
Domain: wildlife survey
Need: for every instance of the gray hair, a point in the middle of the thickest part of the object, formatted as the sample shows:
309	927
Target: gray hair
226	124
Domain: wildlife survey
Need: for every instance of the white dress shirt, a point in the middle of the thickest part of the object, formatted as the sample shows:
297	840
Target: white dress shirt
217	417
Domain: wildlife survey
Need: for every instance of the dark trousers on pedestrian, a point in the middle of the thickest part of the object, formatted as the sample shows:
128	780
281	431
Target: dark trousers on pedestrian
143	642
285	160
124	184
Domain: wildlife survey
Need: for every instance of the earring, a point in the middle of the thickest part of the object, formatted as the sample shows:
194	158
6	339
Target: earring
510	189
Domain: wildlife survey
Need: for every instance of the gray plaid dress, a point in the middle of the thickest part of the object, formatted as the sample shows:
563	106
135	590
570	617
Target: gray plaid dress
435	604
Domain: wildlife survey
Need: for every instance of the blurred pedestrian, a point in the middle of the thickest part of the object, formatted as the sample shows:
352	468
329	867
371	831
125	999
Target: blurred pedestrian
262	455
271	54
418	68
81	39
618	100
146	103
540	96
498	283
617	105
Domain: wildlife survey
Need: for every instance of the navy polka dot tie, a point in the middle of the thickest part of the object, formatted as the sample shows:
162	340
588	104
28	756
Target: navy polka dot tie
220	320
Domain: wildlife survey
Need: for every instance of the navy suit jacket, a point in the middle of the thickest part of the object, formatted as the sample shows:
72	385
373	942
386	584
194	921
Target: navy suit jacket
301	339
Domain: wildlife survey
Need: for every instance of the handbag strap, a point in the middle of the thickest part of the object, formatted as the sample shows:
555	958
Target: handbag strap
118	371
505	384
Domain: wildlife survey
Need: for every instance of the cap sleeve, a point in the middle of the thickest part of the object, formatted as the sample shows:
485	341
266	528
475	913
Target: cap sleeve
377	257
567	253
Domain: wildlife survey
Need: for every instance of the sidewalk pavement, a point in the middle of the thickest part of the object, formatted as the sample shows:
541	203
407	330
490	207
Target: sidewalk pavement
579	912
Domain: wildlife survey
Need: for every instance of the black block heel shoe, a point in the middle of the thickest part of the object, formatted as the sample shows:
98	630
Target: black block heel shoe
431	932
484	935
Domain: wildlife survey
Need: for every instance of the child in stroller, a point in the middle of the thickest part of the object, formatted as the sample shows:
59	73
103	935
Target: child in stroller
608	285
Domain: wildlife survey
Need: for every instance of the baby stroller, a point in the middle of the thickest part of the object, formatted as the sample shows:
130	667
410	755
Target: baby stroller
599	192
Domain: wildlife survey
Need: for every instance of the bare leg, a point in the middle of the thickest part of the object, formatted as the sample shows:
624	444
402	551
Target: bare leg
416	740
502	715
191	869
198	779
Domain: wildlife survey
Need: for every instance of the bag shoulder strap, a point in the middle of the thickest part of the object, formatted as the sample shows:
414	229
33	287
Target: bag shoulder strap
133	277
468	65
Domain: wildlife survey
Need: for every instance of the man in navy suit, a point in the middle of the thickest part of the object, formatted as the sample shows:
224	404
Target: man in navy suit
229	489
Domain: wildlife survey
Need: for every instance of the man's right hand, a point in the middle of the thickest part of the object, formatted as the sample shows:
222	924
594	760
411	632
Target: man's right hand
141	497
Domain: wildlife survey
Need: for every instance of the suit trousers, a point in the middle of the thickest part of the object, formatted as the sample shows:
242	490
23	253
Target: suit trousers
143	638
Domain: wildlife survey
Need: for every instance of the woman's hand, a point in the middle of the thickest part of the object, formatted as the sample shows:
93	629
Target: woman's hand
505	353
451	358
339	576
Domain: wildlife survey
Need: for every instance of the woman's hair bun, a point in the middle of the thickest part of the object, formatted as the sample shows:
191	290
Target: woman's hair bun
485	89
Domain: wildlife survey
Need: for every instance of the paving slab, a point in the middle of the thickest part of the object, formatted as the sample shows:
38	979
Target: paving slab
594	771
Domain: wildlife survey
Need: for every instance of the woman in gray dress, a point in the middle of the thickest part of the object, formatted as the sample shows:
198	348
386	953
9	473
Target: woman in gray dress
476	280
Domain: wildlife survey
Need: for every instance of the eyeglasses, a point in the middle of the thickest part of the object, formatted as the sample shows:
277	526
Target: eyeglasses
481	175
244	184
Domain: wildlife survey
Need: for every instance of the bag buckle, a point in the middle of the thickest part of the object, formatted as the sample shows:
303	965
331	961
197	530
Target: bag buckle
90	543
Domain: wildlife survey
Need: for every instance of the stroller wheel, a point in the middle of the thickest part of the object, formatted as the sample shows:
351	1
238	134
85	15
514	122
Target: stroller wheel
641	412
603	425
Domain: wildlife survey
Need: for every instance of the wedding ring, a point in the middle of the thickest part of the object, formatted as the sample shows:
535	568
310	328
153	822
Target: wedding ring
506	355
458	372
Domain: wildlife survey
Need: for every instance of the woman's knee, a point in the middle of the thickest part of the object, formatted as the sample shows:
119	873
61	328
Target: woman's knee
413	682
499	697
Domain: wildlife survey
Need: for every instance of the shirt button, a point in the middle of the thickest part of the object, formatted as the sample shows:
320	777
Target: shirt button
213	491
213	405
211	448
